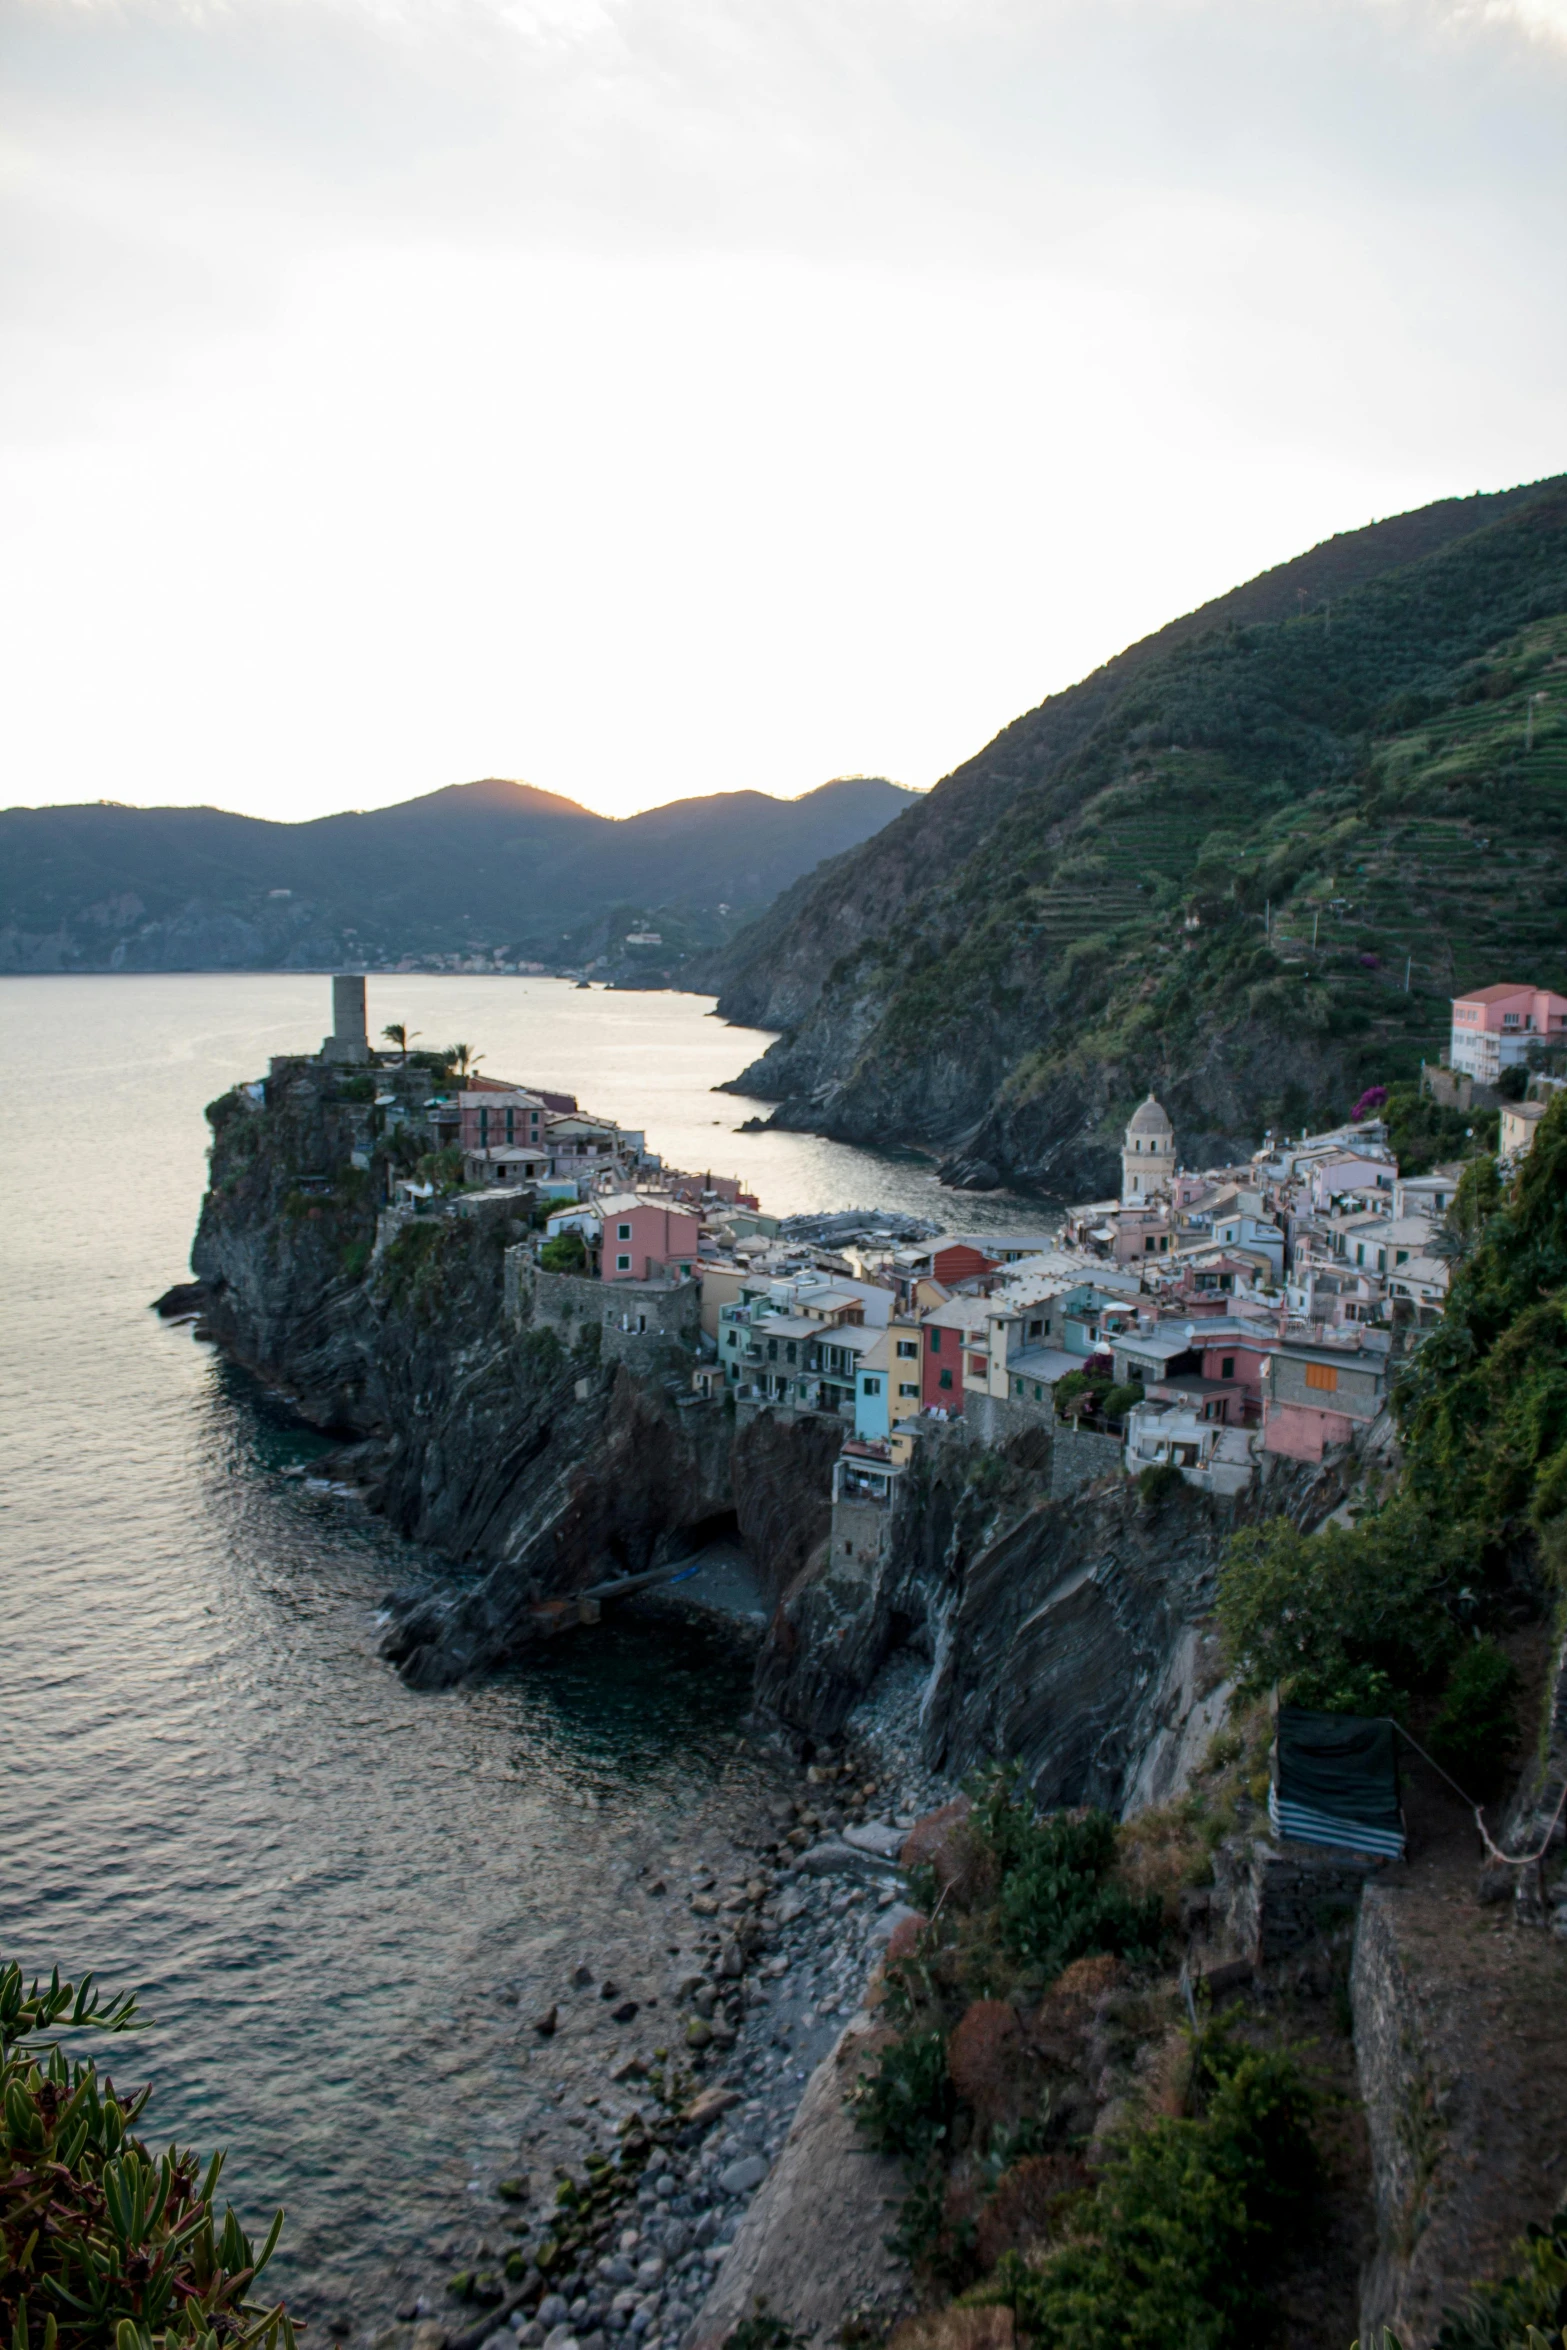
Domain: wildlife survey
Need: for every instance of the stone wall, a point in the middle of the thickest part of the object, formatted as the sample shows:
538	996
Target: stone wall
1455	1089
640	1324
1463	2076
1276	1899
996	1419
1080	1456
859	1532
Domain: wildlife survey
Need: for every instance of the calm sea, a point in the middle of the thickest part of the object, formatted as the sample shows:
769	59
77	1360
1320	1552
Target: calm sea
212	1789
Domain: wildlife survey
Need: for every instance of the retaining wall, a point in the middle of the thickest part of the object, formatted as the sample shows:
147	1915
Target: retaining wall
1078	1456
644	1325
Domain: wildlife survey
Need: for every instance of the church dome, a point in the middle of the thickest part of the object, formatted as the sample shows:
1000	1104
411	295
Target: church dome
1149	1118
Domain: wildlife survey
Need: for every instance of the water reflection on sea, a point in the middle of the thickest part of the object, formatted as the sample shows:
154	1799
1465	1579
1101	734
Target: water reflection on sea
213	1788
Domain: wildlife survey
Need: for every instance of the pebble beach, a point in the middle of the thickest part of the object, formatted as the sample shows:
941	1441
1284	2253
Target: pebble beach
669	2066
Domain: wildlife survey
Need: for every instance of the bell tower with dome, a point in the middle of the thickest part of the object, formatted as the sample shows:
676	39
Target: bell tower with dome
1147	1155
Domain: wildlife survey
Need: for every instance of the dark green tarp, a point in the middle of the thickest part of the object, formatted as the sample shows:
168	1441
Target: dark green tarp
1337	1781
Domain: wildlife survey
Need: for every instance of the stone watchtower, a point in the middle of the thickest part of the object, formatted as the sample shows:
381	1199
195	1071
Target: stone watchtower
349	1040
1147	1155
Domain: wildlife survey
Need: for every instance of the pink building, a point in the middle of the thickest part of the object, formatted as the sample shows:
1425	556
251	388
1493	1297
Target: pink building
1315	1398
644	1239
1494	1027
1237	1361
494	1114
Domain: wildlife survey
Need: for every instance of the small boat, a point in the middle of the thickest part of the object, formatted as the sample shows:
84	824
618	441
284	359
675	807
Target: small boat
585	983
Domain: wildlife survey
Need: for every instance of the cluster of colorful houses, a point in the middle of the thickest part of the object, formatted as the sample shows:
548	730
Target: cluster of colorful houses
1204	1321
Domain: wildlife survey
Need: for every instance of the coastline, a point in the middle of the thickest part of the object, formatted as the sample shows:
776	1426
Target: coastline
675	2059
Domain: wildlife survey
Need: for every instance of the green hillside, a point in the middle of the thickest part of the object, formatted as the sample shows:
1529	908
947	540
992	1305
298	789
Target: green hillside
1255	886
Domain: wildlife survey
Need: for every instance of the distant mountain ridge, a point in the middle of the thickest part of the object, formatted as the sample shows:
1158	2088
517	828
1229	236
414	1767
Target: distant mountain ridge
1208	868
468	869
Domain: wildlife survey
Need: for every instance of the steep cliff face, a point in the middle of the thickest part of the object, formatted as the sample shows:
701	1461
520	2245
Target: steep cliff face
474	1430
1071	1634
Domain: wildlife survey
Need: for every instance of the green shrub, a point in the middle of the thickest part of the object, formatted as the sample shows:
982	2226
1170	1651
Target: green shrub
443	1168
1504	2315
1055	1901
1182	2238
101	2241
1483	1404
1346	1620
1120	1400
1477	1728
1158	1482
1076	1388
566	1253
905	2106
354	1256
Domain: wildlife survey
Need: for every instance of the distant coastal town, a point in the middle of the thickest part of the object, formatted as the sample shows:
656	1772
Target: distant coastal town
1200	1323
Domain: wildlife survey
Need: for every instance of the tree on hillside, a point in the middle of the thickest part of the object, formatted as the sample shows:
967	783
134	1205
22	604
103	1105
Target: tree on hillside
396	1033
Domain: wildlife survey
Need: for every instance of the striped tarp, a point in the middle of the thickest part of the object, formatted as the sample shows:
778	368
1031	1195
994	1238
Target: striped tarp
1308	1826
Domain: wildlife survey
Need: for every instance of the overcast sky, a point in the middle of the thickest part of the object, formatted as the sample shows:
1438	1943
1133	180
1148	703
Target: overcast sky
654	397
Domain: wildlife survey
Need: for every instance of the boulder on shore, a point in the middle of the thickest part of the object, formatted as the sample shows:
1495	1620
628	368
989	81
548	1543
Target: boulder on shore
813	2243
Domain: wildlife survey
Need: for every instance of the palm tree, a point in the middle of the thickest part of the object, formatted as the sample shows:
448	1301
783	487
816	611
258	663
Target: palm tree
463	1059
396	1033
1450	1244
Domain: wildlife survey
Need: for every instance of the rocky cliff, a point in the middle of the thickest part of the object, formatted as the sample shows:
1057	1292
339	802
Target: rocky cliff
1071	1634
471	1427
1069	1631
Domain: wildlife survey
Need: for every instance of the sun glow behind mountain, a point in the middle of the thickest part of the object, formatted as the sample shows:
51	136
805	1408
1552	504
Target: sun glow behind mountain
661	405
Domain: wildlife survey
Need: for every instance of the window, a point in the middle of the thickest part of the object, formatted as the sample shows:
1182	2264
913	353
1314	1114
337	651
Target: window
789	1354
1017	1386
945	1379
622	1264
935	1341
908	1348
977	1366
872	1386
1322	1375
1227	1367
622	1231
772	1350
734	1339
1039	1393
908	1390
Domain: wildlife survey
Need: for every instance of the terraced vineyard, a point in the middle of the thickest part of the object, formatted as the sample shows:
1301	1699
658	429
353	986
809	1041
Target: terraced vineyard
1255	883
